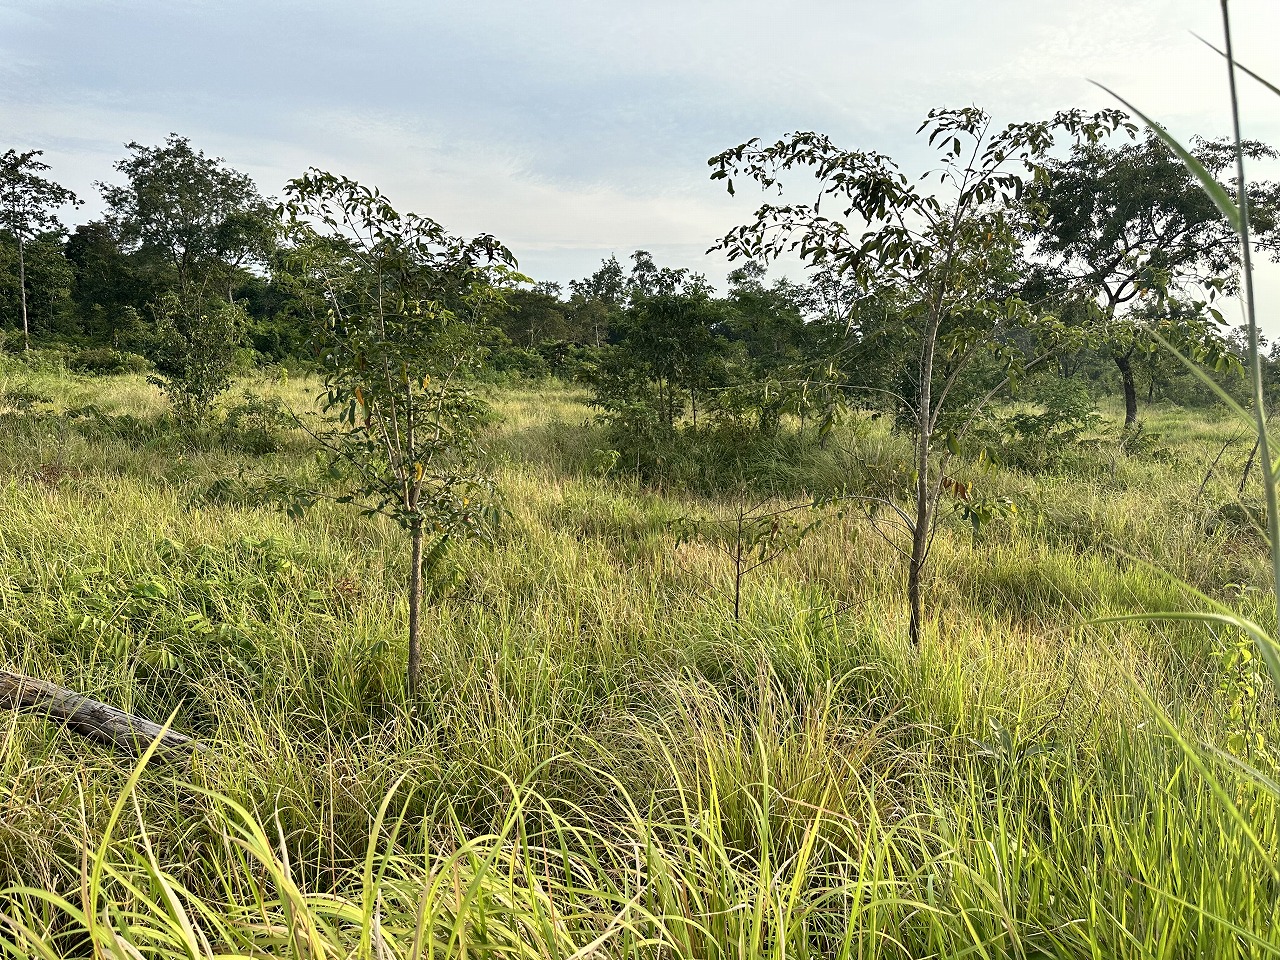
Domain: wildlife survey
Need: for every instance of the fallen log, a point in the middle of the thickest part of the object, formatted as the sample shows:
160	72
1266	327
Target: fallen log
91	718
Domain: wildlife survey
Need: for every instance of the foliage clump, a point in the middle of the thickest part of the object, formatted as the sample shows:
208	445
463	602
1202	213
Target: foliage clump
194	350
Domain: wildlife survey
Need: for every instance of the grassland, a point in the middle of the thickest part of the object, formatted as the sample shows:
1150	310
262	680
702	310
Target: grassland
605	762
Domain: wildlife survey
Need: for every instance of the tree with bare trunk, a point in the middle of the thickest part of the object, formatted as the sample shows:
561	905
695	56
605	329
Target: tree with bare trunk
1127	231
28	203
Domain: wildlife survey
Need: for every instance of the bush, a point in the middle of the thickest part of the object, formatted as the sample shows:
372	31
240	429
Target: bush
196	350
1049	438
21	398
106	361
518	363
730	457
256	424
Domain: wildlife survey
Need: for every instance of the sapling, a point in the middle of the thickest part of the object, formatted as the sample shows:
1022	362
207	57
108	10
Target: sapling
752	536
194	347
398	304
948	260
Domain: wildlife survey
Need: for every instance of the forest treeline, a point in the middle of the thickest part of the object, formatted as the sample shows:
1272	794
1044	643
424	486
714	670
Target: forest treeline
188	274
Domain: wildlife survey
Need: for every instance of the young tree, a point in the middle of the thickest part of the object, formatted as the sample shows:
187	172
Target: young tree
35	283
28	203
949	262
667	351
1123	227
399	304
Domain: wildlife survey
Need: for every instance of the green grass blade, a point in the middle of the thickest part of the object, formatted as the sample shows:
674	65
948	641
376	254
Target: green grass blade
1240	66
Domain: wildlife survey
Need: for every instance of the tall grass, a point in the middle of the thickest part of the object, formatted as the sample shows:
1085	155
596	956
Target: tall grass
608	764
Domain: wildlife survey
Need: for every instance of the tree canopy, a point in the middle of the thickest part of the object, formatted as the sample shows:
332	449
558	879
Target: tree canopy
188	212
1127	228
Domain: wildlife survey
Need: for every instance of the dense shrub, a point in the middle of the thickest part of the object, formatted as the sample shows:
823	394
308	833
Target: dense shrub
257	424
196	352
1048	435
107	361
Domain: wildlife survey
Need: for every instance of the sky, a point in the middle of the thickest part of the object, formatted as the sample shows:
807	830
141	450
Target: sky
577	129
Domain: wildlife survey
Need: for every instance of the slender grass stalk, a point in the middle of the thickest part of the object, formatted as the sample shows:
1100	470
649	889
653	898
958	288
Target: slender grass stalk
1251	318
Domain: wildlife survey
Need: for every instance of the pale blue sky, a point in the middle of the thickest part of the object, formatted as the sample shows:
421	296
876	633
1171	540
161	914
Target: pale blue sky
574	129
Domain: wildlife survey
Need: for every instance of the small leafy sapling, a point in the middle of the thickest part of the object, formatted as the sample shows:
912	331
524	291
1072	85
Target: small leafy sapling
752	536
978	509
194	348
399	306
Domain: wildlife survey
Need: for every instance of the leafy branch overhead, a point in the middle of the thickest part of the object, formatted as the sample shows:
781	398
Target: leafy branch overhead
884	221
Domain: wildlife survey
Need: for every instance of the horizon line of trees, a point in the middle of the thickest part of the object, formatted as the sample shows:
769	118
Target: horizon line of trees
187	269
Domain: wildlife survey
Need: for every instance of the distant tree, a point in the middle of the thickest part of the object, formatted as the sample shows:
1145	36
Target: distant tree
669	353
399	306
195	225
1128	228
190	215
596	302
647	279
534	315
38	273
667	350
766	325
277	326
28	203
949	263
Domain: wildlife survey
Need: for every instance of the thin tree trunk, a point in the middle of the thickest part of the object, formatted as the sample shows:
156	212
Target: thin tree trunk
1248	466
22	284
1208	474
415	611
919	548
924	489
1130	391
737	572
